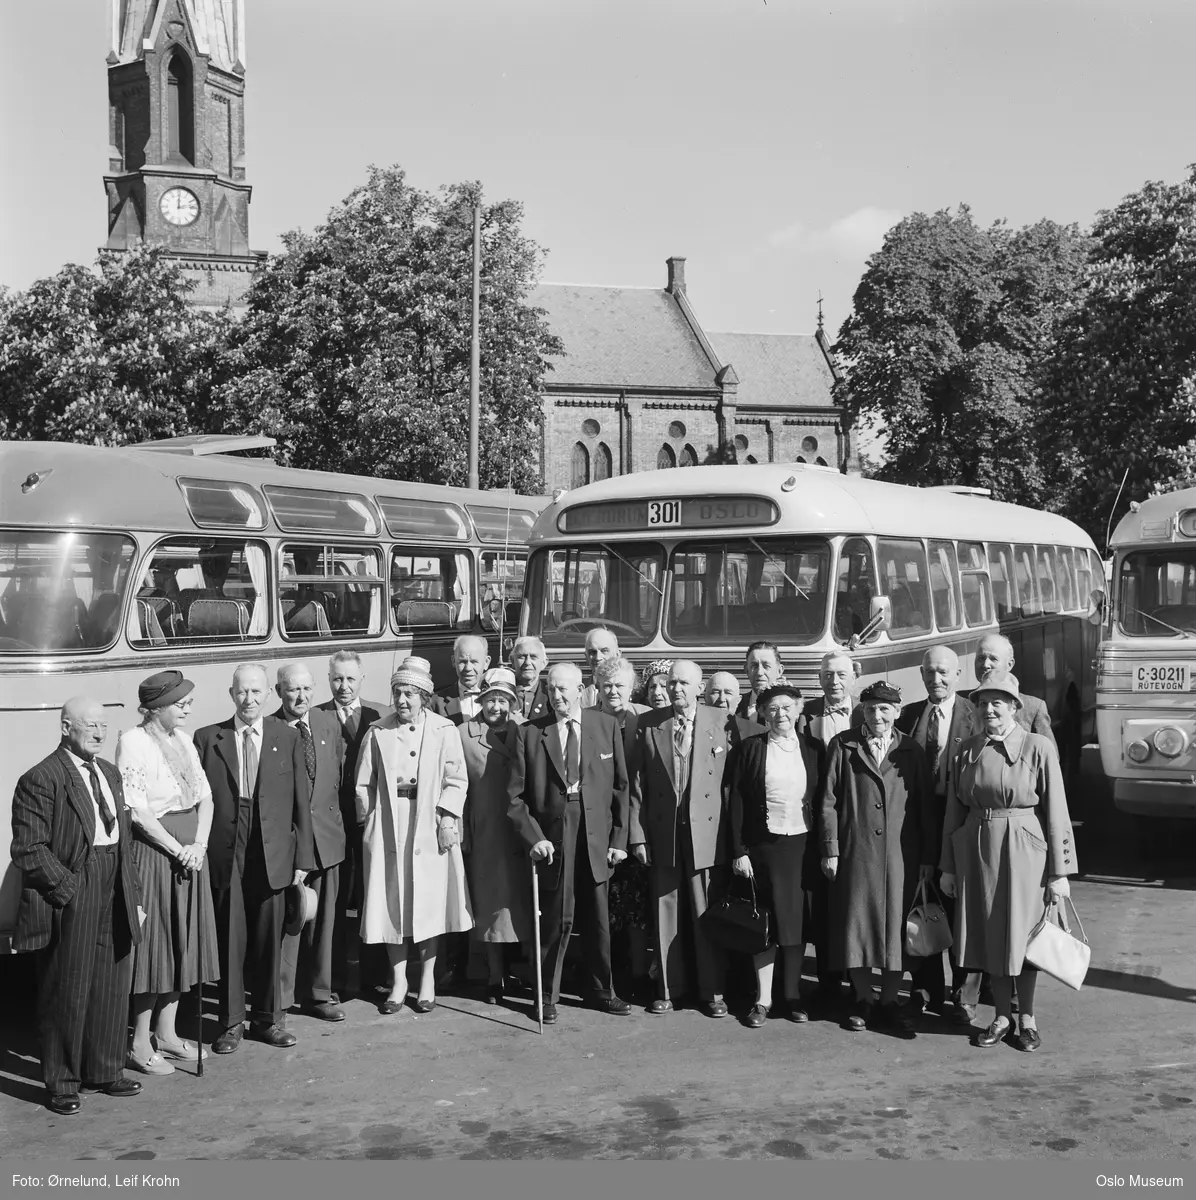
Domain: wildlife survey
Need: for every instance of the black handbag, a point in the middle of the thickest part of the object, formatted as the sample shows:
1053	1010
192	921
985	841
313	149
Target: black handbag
737	922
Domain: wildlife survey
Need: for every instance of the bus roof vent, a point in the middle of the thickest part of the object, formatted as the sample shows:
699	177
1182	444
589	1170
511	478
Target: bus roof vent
961	489
200	444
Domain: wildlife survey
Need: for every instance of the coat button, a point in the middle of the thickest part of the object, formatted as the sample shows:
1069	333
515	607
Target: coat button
879	832
412	753
417	849
878	806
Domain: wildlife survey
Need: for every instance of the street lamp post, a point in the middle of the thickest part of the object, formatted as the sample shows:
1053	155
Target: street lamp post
475	350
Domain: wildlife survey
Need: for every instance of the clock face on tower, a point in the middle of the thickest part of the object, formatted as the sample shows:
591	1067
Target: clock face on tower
179	206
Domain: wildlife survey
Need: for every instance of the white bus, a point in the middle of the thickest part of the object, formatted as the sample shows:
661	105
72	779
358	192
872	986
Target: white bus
116	563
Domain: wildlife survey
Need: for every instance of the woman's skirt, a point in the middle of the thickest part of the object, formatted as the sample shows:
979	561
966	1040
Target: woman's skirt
778	869
178	916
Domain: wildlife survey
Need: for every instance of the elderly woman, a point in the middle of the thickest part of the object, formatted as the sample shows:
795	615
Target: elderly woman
653	690
171	805
495	861
411	791
876	825
772	781
1007	846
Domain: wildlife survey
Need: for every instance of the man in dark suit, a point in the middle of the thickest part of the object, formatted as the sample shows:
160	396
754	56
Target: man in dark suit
940	724
678	830
80	908
568	802
471	660
528	661
260	844
763	668
994	655
345	679
306	972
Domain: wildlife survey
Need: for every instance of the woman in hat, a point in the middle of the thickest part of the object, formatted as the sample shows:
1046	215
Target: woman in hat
495	860
411	790
772	781
1007	846
653	690
876	826
171	806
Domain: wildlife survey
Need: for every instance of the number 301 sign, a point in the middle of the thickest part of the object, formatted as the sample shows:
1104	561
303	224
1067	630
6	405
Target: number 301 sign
664	512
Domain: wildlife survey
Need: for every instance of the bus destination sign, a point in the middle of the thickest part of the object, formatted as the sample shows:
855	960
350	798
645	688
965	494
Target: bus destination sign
691	512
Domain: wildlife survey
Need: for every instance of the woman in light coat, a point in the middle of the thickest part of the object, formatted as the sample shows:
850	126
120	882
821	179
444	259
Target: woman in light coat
1007	846
411	790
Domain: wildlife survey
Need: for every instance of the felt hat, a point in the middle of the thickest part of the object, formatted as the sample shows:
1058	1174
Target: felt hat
1004	682
880	692
766	697
414	672
500	680
163	689
301	903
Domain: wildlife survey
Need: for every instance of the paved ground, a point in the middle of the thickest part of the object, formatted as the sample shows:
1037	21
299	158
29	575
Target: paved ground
1116	1077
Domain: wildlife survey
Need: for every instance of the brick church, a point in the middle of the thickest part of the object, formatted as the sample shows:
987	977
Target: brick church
641	384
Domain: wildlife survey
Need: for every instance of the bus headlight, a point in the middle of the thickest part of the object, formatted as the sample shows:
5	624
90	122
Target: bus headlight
1137	752
1170	742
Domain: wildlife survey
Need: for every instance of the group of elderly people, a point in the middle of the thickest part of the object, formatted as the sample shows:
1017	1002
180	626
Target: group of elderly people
257	843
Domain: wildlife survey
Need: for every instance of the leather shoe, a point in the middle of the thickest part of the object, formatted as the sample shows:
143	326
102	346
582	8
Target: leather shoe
229	1040
388	1008
998	1031
424	1006
495	993
715	1008
324	1010
64	1106
1027	1040
858	1016
795	1012
658	1008
549	1013
273	1035
962	1014
613	1007
118	1087
892	1018
756	1017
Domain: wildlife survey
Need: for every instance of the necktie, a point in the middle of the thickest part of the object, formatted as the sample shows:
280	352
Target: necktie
309	749
349	719
682	738
249	763
107	817
933	740
572	756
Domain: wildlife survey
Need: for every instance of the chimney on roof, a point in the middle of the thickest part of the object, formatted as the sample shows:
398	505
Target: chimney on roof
676	285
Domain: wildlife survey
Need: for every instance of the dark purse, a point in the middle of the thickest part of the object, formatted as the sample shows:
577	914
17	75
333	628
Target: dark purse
739	923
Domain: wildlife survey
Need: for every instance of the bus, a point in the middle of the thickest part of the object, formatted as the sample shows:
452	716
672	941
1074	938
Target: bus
1146	683
116	563
699	563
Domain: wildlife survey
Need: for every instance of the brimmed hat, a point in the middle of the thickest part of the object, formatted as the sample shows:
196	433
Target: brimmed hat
658	666
769	694
880	692
163	689
1000	681
414	672
301	904
500	680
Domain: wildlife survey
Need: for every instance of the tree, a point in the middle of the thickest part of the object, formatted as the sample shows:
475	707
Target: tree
354	352
942	351
110	357
1121	388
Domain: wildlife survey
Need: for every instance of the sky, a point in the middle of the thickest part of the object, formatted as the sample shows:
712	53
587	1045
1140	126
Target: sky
771	143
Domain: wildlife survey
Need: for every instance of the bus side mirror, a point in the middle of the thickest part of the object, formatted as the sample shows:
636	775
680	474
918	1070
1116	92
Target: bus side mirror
1098	602
881	613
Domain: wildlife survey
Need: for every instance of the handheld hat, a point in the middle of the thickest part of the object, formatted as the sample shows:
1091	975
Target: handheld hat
500	680
163	689
769	694
414	672
880	692
1003	682
301	903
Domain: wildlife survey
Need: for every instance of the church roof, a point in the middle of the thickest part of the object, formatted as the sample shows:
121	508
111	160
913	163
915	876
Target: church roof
218	27
624	337
777	369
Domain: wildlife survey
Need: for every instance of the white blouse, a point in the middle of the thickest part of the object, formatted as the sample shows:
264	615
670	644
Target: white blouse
149	782
785	788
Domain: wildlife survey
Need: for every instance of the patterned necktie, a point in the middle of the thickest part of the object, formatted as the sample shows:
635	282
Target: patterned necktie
572	756
309	750
249	762
107	817
349	720
933	740
682	744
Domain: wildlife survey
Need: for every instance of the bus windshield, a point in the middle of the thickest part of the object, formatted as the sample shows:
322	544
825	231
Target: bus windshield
1157	593
750	588
61	591
573	590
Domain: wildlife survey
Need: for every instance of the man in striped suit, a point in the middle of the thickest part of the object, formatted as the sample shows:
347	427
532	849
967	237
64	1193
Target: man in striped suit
80	908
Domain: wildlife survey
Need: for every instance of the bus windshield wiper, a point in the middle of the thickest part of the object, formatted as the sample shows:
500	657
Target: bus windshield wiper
801	591
611	550
1173	628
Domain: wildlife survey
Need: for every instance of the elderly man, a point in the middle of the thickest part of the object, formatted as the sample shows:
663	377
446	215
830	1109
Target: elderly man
601	644
679	830
722	691
471	660
994	656
306	971
762	666
346	675
940	724
80	908
529	660
568	803
260	844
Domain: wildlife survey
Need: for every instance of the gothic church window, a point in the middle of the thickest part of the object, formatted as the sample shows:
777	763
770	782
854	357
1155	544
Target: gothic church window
665	457
180	109
581	465
602	462
689	457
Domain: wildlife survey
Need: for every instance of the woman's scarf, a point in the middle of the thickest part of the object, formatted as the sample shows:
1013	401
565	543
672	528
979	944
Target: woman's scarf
183	766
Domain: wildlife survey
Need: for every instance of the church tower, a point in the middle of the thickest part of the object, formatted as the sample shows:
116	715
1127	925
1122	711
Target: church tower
176	122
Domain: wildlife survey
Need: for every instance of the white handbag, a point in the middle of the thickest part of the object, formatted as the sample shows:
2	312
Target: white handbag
1053	947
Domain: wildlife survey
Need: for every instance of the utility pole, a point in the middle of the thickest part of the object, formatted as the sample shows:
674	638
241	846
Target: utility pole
475	349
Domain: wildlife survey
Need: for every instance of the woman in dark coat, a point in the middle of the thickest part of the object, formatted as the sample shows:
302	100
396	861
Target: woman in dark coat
876	827
772	781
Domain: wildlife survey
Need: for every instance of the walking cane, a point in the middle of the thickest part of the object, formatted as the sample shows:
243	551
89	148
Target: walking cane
536	937
198	893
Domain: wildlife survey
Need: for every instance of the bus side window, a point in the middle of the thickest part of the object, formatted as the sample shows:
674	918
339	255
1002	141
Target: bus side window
904	581
1027	586
944	585
1084	581
330	591
975	584
855	589
1065	576
1001	570
1047	589
430	589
